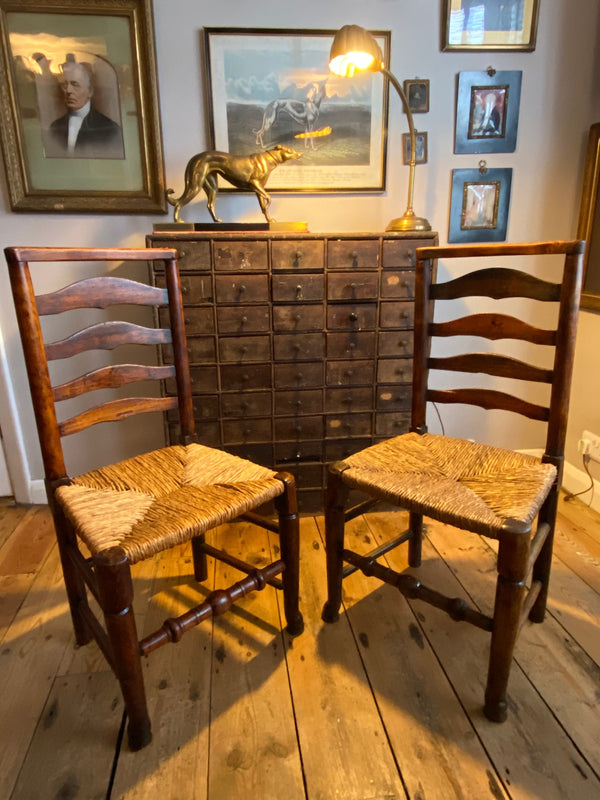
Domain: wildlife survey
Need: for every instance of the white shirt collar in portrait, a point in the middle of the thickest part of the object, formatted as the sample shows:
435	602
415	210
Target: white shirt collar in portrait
75	120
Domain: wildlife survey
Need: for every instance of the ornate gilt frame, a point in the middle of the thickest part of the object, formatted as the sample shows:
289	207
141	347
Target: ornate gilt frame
118	33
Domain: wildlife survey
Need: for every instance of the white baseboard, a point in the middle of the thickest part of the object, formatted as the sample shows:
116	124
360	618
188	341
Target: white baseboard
37	493
577	480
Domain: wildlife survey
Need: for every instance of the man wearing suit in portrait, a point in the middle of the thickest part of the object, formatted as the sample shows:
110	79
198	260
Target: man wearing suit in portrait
83	132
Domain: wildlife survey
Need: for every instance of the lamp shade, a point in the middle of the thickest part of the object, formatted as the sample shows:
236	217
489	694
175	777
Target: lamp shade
354	49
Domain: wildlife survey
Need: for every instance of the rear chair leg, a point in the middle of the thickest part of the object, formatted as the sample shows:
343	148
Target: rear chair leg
415	543
116	596
199	558
543	563
289	542
337	494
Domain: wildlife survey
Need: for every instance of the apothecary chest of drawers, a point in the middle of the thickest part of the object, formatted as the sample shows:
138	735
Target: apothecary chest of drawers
300	344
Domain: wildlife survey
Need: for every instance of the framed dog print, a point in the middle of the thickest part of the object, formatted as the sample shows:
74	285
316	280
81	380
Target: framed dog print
420	148
79	118
479	205
269	87
487	111
489	24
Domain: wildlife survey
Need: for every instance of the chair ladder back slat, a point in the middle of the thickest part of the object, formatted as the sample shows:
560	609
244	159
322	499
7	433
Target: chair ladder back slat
564	355
106	336
497	283
111	377
115	410
180	352
82	254
492	364
493	326
489	399
100	292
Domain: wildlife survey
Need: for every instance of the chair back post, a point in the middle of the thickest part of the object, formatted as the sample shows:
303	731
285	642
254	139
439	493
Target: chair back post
564	354
422	343
180	353
37	366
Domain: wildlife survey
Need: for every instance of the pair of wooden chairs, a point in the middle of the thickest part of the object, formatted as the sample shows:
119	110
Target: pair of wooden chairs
117	515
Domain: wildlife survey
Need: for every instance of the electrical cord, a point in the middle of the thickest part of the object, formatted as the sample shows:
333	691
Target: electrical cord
571	495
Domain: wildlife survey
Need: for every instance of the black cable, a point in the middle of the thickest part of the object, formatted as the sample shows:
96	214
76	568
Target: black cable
571	495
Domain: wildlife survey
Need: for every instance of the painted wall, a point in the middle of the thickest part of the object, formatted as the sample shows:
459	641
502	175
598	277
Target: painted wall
560	99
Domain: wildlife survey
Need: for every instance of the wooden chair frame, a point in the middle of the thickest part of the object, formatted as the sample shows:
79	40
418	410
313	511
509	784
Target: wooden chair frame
523	554
107	574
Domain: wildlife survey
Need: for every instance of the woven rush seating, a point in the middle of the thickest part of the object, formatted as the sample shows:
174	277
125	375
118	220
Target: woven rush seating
489	490
118	514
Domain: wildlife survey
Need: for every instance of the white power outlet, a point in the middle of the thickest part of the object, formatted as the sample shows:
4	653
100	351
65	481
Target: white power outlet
592	445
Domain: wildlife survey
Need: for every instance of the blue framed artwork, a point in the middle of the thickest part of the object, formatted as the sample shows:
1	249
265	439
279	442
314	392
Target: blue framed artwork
479	205
487	111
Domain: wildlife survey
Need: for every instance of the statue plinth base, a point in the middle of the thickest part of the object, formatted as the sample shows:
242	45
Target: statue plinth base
163	227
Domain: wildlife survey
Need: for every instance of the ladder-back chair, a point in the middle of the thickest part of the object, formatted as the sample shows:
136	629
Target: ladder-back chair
133	510
485	489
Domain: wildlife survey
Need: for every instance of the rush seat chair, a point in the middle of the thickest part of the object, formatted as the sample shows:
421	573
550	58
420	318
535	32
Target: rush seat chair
489	490
125	512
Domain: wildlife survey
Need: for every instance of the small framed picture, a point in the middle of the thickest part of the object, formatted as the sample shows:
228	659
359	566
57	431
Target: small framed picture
489	24
479	205
487	112
417	94
420	148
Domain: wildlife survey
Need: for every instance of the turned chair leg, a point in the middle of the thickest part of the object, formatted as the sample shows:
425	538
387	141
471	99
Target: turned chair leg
116	596
337	493
199	558
289	542
415	543
513	558
543	562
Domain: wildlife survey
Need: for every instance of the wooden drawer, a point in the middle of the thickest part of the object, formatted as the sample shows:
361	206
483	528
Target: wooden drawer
192	255
240	431
298	288
245	348
392	424
243	319
401	252
355	398
195	289
242	288
396	343
298	347
204	379
394	370
352	316
400	314
201	349
301	401
337	449
260	453
398	284
353	254
246	404
350	373
197	320
352	286
306	475
299	254
300	428
394	398
240	255
209	433
344	425
305	375
298	318
205	407
356	345
239	377
304	450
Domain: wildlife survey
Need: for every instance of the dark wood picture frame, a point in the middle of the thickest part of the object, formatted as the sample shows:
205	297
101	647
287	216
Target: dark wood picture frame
589	222
479	205
469	25
487	111
417	94
251	74
112	41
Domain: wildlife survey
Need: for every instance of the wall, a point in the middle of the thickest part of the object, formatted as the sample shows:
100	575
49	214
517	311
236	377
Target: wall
558	103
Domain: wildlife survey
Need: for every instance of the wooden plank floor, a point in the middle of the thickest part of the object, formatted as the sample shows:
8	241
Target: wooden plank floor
384	704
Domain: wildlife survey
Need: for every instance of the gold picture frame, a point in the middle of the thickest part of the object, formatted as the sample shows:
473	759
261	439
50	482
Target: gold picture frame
109	44
589	222
489	24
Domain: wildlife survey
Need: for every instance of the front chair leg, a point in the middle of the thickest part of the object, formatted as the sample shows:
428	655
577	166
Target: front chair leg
513	559
543	562
415	543
199	558
289	542
337	494
116	596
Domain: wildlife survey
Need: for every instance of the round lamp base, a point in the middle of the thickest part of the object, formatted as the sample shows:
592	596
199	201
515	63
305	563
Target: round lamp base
409	222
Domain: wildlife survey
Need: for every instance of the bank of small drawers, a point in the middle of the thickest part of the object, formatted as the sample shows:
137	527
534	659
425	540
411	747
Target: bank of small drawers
300	344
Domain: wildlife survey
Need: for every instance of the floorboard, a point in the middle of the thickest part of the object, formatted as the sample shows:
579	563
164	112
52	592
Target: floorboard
384	704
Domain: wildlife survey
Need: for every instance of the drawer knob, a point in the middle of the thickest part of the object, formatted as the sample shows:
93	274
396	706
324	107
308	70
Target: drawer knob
298	428
403	344
298	255
244	349
352	345
296	347
244	406
243	320
241	288
348	373
184	289
411	256
353	316
299	376
353	286
182	253
246	377
404	315
297	317
298	403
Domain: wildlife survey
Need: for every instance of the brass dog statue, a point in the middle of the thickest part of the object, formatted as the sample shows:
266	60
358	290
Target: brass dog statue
244	172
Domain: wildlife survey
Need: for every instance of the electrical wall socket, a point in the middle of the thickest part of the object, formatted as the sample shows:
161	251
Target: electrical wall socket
590	444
